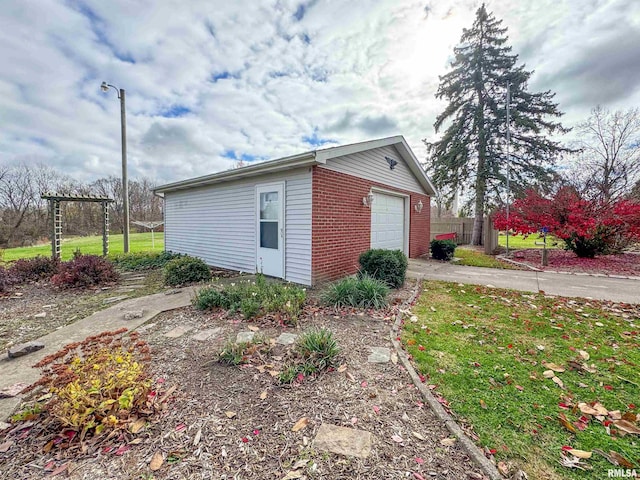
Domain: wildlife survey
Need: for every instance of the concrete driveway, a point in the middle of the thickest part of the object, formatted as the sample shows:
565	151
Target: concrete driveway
567	285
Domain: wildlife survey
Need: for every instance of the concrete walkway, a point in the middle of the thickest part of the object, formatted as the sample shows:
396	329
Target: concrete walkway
567	285
19	370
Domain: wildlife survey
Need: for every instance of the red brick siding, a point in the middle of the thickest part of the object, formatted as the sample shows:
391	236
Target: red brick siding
341	224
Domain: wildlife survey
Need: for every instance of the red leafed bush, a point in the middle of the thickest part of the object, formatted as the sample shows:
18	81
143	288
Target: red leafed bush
38	268
588	228
84	271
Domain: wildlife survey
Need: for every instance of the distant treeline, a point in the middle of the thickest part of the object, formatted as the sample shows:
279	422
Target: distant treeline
25	217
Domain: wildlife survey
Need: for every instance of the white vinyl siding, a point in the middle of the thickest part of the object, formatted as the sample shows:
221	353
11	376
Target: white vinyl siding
371	165
218	223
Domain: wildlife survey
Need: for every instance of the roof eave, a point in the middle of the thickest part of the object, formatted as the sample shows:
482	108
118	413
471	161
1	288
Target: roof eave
273	166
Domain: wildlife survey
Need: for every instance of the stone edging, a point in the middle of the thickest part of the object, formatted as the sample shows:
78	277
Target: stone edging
471	448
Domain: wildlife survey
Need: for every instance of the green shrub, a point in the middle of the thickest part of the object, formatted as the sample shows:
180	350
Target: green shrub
390	266
84	271
362	292
442	249
255	298
34	269
143	260
210	297
186	269
315	351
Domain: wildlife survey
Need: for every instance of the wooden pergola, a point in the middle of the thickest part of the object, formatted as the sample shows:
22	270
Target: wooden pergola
54	200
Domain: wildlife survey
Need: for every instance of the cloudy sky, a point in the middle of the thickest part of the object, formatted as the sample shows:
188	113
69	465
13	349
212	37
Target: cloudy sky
213	81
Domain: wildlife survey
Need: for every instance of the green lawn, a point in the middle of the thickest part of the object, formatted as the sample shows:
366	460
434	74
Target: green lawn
489	352
475	258
517	242
138	242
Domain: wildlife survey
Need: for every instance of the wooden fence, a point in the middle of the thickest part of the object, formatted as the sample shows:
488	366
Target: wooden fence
463	227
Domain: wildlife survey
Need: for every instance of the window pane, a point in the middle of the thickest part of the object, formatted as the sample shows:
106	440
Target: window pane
269	235
269	206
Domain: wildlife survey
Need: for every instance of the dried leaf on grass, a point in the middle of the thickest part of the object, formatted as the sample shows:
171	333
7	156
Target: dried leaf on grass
300	424
627	427
566	423
558	382
614	458
156	461
580	453
574	462
554	367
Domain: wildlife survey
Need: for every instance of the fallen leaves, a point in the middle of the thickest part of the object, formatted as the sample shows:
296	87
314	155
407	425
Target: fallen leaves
137	425
448	442
553	366
627	427
156	461
300	424
230	414
580	453
6	446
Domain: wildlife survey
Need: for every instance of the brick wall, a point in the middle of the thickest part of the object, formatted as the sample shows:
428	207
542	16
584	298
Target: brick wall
341	224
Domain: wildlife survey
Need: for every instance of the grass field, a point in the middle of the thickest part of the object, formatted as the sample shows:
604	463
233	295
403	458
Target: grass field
138	242
474	258
526	371
517	242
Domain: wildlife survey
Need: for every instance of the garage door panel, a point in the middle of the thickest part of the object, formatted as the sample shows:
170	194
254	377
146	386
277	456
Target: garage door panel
387	222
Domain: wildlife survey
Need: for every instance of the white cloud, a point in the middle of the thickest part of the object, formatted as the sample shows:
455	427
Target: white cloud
251	78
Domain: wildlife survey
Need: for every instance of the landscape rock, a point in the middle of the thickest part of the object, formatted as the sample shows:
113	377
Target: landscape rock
114	299
178	331
24	349
245	337
379	355
343	441
132	314
204	335
286	339
12	390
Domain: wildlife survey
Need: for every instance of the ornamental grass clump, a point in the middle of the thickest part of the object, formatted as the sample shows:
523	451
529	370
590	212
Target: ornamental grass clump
315	351
95	386
359	292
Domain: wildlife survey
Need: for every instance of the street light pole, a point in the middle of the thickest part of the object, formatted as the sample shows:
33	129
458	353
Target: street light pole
125	181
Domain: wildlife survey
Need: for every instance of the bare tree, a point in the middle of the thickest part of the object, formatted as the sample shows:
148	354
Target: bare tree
608	163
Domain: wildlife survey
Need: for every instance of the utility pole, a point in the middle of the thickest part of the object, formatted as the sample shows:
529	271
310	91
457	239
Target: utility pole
125	181
508	160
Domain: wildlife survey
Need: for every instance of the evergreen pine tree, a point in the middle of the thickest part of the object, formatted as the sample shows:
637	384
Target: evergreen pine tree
471	154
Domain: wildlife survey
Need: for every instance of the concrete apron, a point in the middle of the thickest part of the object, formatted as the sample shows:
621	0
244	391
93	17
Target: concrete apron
615	289
19	370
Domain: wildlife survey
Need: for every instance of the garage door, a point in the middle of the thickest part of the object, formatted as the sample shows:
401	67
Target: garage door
387	222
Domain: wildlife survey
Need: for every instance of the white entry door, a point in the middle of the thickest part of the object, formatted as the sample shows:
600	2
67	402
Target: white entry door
270	229
387	222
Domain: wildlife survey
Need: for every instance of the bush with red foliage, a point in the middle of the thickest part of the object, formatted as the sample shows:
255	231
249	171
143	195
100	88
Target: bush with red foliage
34	269
85	271
588	228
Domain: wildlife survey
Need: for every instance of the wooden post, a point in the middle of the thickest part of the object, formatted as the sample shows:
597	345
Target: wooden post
105	229
56	228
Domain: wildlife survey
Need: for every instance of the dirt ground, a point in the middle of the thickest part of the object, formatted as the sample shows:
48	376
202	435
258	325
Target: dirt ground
226	422
21	311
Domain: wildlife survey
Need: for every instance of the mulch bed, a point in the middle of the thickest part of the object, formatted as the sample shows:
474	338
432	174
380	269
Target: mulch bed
626	264
198	439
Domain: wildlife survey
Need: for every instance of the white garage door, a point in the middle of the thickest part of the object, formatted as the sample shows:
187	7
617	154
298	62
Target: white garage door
387	222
